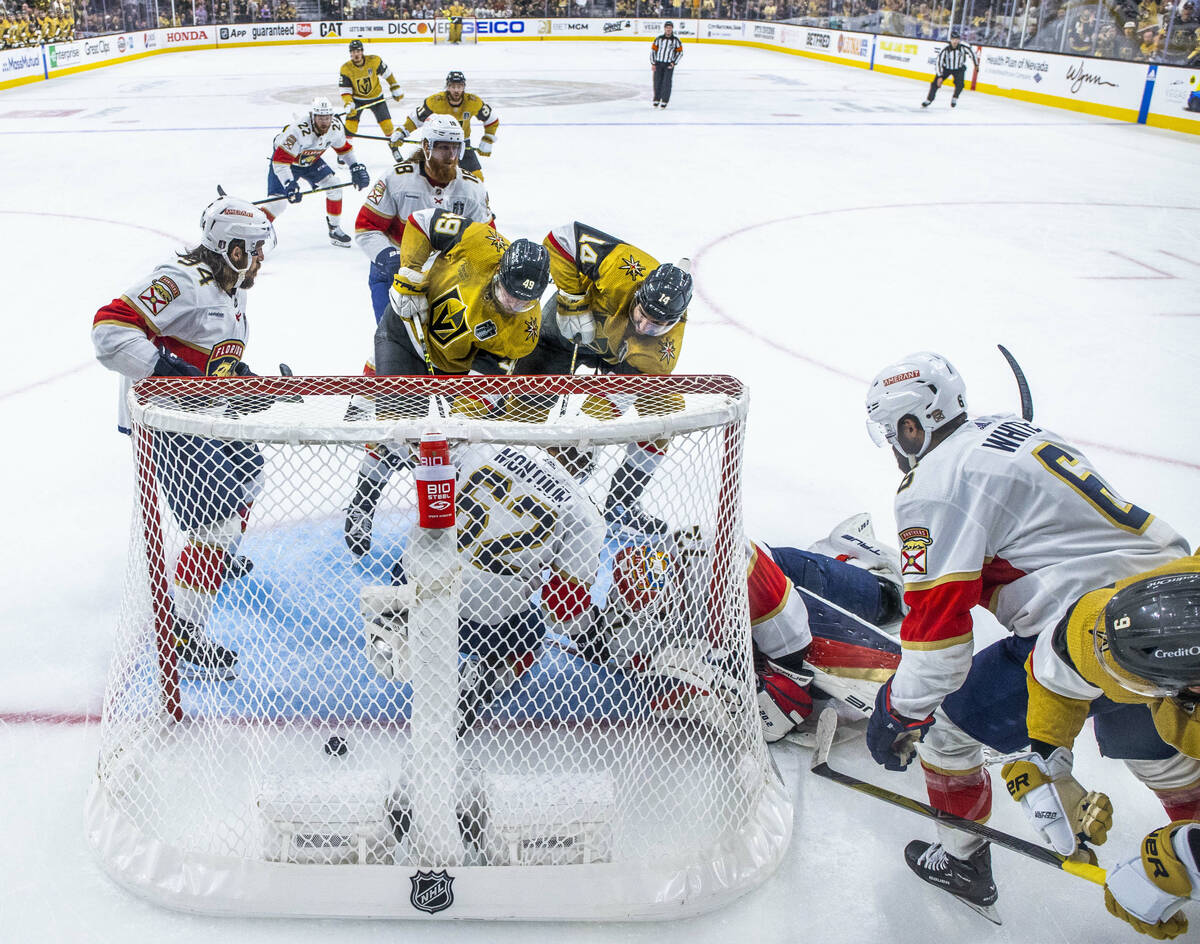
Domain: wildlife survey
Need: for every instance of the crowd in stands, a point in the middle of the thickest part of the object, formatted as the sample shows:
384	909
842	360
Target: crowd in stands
1139	30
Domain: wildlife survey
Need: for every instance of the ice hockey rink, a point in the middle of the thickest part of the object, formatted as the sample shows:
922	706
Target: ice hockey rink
834	226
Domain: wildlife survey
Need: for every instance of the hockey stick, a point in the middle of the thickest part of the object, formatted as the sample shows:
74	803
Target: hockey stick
355	109
1022	385
349	183
827	727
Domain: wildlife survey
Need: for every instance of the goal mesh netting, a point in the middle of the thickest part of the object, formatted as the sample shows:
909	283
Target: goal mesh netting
545	711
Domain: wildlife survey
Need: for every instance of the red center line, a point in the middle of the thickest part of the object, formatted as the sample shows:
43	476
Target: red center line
778	345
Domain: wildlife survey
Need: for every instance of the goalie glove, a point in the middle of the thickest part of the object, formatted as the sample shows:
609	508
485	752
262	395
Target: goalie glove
1054	802
696	682
784	701
1147	890
574	318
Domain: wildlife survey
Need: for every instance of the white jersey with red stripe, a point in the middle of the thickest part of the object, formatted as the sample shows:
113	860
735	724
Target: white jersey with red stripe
299	145
1010	516
778	616
406	189
519	515
178	307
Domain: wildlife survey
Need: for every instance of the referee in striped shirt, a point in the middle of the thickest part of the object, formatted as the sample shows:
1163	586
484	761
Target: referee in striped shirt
951	61
665	51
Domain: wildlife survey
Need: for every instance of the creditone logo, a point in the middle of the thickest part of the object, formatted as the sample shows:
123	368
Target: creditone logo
1176	653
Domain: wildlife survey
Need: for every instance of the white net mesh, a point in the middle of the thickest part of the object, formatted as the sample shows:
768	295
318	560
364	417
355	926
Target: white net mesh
308	684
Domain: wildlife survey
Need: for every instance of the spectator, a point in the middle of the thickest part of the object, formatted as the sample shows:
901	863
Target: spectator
1193	57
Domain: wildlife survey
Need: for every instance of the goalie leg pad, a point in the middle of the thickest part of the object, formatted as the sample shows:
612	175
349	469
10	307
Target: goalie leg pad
385	612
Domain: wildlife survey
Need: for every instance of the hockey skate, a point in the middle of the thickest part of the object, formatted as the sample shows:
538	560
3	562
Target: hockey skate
338	237
360	516
927	103
954	103
203	658
968	880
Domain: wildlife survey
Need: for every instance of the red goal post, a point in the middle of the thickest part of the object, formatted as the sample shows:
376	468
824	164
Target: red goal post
578	793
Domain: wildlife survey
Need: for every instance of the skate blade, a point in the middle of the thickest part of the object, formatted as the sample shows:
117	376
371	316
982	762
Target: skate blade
988	911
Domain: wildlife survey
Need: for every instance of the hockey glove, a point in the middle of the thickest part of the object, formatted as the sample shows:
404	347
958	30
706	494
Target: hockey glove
410	307
359	176
485	146
1054	802
291	190
1147	890
168	365
574	318
386	264
892	738
783	698
397	95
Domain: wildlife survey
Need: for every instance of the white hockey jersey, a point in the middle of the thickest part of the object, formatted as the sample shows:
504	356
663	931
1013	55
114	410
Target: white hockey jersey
405	190
298	145
178	307
1009	516
524	525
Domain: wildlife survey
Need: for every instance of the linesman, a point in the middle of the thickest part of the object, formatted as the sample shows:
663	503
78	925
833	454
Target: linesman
951	63
665	51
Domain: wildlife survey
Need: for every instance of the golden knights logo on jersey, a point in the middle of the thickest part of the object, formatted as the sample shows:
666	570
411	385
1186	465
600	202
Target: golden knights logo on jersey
447	318
224	358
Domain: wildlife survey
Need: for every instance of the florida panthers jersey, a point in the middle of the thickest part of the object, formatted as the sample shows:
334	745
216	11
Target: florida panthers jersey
406	189
523	525
1009	516
299	145
179	307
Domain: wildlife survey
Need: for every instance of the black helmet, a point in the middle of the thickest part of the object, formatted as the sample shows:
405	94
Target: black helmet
665	294
356	45
455	76
1148	637
525	270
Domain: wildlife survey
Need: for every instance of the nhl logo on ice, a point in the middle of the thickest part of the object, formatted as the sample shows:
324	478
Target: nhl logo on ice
431	891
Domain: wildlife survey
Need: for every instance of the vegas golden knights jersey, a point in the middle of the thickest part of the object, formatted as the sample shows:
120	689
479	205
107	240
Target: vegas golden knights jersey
472	106
362	82
608	271
463	316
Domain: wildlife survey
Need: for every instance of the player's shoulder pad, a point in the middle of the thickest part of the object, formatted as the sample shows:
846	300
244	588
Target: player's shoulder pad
172	286
444	229
592	246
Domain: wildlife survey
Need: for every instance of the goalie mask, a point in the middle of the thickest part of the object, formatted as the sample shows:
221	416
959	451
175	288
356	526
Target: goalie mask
923	386
1148	637
229	222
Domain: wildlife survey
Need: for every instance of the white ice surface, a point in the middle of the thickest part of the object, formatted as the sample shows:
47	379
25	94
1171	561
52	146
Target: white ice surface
833	225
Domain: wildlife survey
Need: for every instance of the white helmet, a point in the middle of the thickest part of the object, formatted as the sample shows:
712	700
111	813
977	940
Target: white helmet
924	386
320	106
439	128
227	219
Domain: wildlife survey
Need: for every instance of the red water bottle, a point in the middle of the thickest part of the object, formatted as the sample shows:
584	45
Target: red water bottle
435	483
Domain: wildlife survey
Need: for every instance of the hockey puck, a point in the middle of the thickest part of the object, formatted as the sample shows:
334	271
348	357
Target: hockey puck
336	746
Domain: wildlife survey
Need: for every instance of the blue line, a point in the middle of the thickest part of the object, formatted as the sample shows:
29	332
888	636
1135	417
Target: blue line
635	124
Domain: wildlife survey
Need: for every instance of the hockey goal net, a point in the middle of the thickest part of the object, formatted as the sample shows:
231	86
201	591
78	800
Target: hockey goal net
543	711
454	30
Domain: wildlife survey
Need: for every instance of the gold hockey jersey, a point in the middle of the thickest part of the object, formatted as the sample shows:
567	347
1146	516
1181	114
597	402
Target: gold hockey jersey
472	106
463	316
585	261
362	82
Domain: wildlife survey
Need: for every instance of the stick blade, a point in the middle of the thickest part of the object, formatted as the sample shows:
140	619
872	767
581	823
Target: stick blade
826	729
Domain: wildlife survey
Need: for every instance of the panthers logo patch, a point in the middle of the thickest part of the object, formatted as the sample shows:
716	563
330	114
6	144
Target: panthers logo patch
914	550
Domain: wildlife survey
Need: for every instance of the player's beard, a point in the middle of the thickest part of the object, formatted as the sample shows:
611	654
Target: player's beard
441	172
251	273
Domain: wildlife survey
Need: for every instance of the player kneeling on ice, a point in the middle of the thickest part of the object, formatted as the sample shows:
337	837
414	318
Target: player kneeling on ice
813	617
463	300
617	310
187	318
297	157
1122	649
1001	513
529	542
